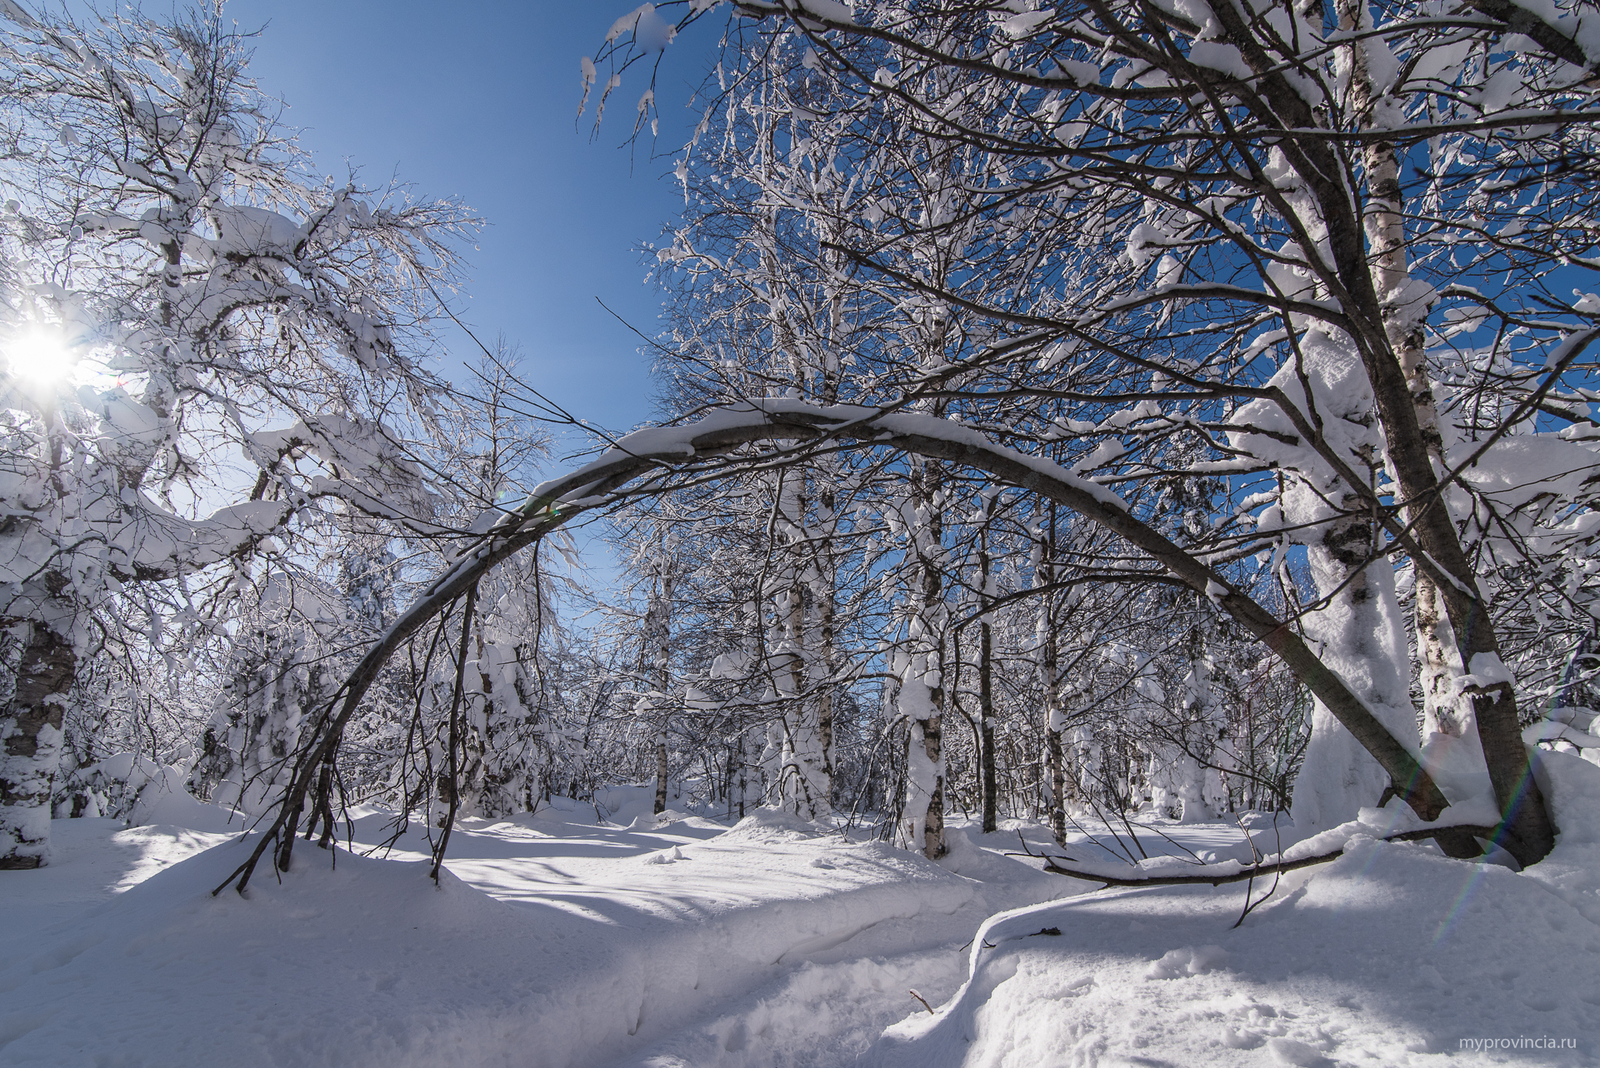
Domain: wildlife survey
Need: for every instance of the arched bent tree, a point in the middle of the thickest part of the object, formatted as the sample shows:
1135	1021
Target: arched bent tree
668	455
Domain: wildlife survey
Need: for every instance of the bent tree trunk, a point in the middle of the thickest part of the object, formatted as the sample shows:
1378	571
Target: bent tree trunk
662	455
30	727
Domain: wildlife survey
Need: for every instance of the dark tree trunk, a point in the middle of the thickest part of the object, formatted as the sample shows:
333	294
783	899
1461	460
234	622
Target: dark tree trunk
31	725
933	844
986	726
661	777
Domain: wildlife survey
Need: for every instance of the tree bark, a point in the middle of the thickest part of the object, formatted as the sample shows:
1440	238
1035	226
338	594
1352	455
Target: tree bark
1404	395
658	654
927	727
1050	680
986	695
661	776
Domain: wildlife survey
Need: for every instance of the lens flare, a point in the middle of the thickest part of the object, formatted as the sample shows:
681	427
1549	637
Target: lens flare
39	355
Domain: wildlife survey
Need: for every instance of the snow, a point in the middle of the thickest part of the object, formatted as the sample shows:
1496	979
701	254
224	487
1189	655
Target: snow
1345	964
560	939
551	941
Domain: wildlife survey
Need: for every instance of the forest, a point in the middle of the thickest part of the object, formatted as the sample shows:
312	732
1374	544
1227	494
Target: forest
1123	472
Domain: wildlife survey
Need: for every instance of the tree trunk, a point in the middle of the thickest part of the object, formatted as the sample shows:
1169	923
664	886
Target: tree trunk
986	718
659	654
661	775
31	728
1058	786
933	747
1361	638
1404	396
922	693
822	676
1055	720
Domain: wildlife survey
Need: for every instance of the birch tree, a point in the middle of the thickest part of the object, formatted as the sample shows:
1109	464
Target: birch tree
1320	255
1331	236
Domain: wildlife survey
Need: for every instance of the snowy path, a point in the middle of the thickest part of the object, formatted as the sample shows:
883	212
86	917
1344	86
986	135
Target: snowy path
557	943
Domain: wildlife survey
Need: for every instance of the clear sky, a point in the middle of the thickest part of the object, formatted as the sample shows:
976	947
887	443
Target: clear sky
477	99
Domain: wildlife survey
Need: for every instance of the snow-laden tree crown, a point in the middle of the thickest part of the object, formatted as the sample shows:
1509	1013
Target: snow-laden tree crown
1087	409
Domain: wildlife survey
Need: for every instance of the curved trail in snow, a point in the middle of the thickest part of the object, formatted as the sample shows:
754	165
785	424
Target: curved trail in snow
552	942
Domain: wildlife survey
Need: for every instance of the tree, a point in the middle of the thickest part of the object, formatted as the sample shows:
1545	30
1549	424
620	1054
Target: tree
1215	243
1279	207
227	308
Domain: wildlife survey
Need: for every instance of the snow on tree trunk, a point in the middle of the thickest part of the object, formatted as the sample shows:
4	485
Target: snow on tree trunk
1055	720
822	665
986	743
1087	760
1451	748
658	662
30	730
921	701
1360	633
502	775
281	676
1217	793
922	695
804	785
1199	726
1355	621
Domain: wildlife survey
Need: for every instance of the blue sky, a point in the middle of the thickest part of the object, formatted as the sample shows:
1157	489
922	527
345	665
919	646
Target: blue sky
477	100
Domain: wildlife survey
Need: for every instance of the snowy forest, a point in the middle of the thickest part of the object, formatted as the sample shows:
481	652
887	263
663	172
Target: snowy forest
1113	578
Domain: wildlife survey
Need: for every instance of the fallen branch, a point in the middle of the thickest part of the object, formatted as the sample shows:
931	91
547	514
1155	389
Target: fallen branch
1255	871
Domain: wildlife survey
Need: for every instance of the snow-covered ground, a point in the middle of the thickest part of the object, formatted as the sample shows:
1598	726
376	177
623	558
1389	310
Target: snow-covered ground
556	940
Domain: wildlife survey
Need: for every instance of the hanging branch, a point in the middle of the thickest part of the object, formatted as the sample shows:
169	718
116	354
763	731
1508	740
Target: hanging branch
1257	856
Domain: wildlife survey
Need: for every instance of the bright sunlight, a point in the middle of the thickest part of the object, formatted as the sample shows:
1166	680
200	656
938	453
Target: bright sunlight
41	355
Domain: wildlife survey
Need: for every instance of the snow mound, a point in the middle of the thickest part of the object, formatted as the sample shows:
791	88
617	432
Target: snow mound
1176	963
775	825
1572	872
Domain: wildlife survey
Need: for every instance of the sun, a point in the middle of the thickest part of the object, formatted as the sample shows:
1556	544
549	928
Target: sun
39	355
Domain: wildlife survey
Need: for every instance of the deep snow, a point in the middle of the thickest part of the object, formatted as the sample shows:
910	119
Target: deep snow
556	940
